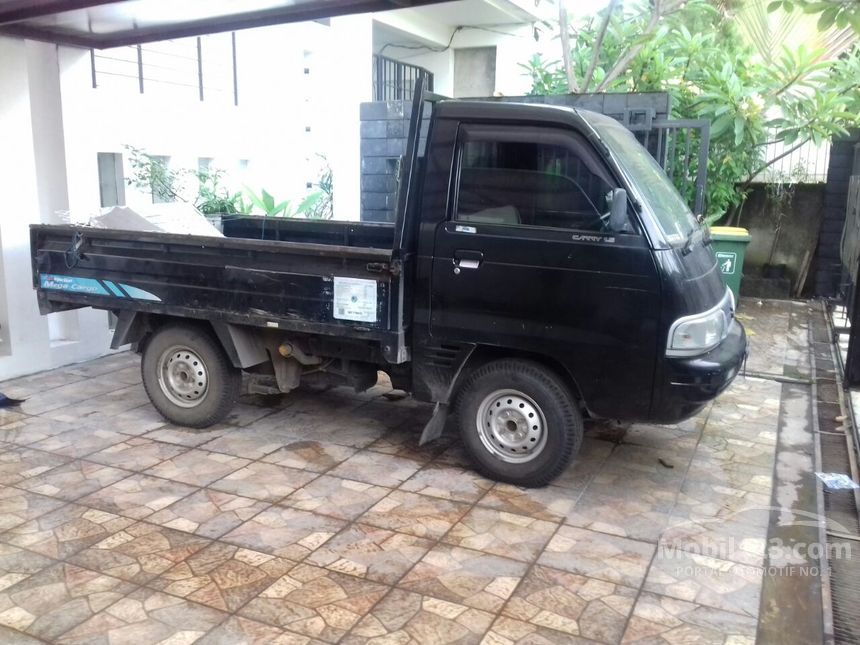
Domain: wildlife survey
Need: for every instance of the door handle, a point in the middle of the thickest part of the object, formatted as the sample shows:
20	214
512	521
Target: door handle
467	260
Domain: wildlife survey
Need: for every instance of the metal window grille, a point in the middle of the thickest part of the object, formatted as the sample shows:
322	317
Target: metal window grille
395	81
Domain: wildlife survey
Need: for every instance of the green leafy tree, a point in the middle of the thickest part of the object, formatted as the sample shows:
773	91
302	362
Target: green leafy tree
697	53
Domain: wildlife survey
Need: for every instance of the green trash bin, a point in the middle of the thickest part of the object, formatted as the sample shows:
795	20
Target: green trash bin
730	245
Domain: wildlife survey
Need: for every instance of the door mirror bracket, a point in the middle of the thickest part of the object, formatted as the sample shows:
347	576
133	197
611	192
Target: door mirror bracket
618	220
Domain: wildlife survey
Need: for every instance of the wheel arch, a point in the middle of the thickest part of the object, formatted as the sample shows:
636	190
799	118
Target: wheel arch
484	354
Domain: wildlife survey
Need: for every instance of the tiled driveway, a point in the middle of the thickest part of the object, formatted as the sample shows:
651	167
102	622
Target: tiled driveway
316	518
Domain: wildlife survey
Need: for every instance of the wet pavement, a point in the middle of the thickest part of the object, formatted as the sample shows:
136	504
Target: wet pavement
316	518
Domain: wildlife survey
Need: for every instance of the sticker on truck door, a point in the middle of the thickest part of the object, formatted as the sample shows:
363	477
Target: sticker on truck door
355	299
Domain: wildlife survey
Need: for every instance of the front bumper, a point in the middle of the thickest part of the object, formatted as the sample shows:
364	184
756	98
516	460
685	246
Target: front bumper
691	383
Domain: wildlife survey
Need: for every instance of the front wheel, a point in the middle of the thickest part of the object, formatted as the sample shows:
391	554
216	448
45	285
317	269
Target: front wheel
188	377
519	422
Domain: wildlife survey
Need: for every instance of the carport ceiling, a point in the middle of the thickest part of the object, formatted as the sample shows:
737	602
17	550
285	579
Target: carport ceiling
101	24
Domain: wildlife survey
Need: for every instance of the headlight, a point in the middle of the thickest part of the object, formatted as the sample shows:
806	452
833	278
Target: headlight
696	334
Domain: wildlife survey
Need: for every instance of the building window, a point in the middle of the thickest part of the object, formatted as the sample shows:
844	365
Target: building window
395	81
160	190
111	186
204	164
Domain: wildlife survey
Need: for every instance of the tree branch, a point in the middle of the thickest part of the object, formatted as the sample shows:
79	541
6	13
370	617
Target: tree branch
768	164
564	25
598	45
659	10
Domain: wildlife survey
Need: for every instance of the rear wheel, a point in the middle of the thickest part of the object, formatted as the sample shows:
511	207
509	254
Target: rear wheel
519	422
188	377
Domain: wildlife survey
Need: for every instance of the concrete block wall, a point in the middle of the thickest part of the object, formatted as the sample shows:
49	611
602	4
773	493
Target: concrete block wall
385	129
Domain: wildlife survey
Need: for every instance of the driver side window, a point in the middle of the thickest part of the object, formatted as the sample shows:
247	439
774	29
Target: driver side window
532	182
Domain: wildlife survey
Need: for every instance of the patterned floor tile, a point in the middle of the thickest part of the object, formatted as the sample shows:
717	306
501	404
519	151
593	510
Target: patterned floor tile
285	532
315	602
28	430
10	636
209	513
18	564
17	506
730	449
188	437
58	598
222	576
327	420
79	442
370	552
73	480
727	540
508	631
264	481
18	464
138	421
145	616
100	409
377	468
137	496
448	482
659	619
415	514
466	577
630	517
344	499
706	581
404	443
315	456
572	604
592	454
197	467
507	534
250	443
244	631
139	552
551	503
65	531
737	475
702	502
406	617
136	453
597	555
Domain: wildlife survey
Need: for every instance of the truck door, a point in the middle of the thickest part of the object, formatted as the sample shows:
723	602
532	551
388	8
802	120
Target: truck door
524	261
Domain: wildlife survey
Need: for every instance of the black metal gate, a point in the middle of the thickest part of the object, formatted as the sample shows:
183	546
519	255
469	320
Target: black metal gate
395	81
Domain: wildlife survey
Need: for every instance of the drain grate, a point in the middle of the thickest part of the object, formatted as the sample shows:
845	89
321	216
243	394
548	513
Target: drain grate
845	591
840	507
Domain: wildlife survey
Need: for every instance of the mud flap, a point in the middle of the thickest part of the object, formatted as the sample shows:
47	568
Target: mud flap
436	424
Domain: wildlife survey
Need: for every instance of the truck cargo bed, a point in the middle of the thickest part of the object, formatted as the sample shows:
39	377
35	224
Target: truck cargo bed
314	277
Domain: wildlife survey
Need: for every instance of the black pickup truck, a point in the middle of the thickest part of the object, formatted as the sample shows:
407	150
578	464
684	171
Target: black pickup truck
541	268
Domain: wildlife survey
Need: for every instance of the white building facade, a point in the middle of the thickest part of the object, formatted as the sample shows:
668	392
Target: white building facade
266	106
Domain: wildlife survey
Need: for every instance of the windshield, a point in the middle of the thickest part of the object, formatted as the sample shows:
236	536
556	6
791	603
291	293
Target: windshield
662	199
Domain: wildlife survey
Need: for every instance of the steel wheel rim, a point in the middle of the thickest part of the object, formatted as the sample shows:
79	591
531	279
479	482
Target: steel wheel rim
511	426
183	376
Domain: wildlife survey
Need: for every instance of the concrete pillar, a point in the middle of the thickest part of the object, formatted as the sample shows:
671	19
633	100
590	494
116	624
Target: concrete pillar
34	185
351	57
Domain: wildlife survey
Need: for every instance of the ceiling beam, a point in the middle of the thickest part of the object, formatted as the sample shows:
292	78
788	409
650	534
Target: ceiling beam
17	10
262	18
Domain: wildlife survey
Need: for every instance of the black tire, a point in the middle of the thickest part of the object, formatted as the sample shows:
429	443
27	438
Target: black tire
223	382
541	391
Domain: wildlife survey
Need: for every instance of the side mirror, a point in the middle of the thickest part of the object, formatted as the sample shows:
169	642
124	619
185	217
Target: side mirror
618	221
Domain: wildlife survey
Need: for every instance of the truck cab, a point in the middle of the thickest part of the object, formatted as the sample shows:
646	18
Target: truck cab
542	269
